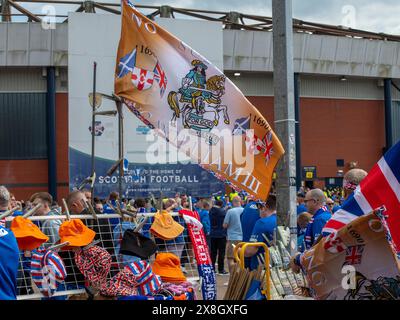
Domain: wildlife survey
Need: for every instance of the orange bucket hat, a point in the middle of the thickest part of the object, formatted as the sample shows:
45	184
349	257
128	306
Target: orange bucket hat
76	233
165	227
168	267
29	236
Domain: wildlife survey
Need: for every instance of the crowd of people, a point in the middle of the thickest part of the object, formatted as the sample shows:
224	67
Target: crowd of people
226	219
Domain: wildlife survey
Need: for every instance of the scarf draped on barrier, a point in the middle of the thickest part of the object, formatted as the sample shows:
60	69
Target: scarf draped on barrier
200	248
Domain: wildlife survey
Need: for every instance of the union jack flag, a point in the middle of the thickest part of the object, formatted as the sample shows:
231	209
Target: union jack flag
268	146
354	255
381	187
161	78
255	145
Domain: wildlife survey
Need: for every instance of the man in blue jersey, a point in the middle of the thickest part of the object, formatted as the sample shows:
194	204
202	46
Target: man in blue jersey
315	201
313	233
9	255
113	198
248	219
264	228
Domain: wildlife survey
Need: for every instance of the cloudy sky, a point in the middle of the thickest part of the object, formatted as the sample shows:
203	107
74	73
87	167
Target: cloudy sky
371	15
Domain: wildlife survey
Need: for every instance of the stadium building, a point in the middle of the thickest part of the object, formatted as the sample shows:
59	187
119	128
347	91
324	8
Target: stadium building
346	87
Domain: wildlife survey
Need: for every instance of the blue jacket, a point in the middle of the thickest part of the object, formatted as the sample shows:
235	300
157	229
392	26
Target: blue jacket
249	217
107	209
9	260
264	226
315	226
205	220
217	216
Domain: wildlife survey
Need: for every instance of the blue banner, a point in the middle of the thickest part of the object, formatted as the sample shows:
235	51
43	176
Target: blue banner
142	179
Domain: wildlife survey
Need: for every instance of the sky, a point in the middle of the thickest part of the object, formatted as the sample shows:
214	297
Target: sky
371	15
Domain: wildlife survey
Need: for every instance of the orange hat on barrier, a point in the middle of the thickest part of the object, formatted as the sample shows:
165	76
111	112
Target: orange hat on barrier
76	233
165	227
29	236
168	267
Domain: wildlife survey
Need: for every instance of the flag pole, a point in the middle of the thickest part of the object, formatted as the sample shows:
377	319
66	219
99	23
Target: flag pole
120	145
93	126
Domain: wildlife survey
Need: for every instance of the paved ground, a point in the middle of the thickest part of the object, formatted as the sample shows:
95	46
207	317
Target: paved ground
221	288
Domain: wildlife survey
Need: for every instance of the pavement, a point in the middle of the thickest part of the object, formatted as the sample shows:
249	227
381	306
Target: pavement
221	288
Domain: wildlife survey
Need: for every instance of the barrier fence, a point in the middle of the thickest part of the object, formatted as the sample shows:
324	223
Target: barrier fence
109	230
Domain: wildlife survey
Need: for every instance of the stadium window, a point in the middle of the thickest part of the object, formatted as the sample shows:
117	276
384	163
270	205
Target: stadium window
23	126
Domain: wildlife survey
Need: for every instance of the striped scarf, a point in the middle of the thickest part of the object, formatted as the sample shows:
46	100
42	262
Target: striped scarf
47	271
200	248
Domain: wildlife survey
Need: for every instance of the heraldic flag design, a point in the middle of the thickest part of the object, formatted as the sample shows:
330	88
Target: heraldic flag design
379	189
161	76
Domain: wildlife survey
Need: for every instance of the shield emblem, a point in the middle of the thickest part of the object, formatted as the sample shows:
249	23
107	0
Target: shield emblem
142	79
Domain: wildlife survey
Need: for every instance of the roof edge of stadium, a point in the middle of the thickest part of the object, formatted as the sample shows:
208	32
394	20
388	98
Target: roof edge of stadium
230	20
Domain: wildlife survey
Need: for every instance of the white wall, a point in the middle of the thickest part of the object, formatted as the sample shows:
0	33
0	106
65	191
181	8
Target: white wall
94	37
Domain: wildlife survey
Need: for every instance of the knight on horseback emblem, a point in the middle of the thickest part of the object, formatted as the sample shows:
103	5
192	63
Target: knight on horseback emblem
198	101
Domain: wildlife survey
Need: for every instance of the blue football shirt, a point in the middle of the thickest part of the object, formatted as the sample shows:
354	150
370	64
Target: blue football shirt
249	217
9	255
264	226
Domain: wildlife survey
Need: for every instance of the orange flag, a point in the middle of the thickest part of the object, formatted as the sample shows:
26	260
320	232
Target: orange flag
357	263
191	104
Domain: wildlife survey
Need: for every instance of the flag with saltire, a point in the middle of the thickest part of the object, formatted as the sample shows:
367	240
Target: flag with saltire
190	103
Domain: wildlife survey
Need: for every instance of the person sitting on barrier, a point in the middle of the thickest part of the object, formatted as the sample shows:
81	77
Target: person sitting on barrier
9	254
263	230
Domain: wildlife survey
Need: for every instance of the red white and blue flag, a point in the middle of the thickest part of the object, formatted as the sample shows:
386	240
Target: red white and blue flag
380	189
268	146
354	255
161	78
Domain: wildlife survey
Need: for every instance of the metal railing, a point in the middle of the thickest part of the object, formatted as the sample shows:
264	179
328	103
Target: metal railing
107	236
240	259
